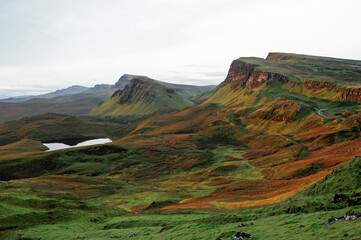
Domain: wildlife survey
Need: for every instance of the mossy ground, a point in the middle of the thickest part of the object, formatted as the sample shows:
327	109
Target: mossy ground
193	225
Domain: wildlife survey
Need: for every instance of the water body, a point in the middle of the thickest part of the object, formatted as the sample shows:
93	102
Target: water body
57	146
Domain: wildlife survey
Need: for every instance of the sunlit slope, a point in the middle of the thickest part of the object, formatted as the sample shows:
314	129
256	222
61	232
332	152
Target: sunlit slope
141	97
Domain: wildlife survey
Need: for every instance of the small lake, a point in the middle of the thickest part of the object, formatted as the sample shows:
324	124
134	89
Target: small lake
58	146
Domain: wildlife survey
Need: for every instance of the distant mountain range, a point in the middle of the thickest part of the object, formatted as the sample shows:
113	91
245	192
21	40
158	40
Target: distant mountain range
58	93
79	100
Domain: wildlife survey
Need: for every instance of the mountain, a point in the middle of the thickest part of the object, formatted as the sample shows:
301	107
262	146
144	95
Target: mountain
292	131
140	98
72	104
274	146
64	92
185	91
98	87
58	93
77	100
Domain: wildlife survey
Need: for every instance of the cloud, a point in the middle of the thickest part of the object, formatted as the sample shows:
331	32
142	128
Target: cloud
199	66
61	43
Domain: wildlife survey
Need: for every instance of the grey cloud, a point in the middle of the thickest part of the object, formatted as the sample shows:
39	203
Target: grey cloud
83	40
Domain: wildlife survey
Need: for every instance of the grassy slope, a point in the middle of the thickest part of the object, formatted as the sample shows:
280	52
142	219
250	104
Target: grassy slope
65	206
338	71
196	226
91	220
343	180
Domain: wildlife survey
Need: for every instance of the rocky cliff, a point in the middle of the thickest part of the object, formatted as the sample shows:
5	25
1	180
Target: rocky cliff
249	76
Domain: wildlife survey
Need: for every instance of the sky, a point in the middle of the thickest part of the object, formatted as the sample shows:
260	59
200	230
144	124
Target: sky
52	44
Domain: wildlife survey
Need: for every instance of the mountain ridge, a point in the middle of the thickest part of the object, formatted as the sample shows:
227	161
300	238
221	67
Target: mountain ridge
141	97
184	90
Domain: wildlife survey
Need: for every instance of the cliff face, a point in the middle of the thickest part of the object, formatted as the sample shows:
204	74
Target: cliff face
346	94
137	90
248	76
313	85
351	94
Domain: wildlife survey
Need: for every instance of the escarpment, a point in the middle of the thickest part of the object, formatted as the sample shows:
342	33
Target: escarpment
351	94
249	76
346	94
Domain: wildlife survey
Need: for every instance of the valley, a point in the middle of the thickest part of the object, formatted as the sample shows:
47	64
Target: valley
273	151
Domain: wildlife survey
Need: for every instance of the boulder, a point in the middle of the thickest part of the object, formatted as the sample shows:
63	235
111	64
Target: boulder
241	236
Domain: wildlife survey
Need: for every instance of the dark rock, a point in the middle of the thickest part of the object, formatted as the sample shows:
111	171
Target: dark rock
345	235
252	223
347	217
339	198
133	235
243	225
301	226
241	236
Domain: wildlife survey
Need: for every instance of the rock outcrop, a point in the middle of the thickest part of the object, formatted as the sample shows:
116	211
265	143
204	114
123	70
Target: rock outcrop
244	75
346	94
351	94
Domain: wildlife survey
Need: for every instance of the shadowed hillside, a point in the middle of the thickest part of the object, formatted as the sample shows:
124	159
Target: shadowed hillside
141	97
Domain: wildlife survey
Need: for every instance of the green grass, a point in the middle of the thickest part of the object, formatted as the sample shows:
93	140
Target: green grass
76	206
195	225
297	67
320	196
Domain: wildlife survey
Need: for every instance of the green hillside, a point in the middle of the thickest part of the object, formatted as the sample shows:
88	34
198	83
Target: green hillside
297	66
140	98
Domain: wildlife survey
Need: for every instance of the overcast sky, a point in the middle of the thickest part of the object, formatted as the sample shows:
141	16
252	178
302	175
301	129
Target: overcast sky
51	44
